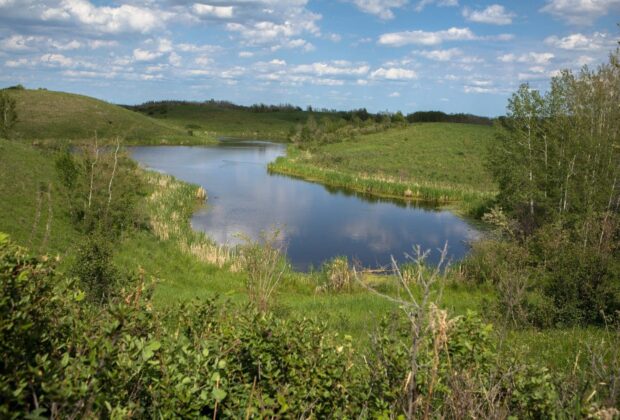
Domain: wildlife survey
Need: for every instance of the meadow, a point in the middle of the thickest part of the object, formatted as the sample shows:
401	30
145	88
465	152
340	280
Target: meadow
435	162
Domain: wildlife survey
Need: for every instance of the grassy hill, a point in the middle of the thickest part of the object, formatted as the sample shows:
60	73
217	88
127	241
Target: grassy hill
224	120
440	162
47	115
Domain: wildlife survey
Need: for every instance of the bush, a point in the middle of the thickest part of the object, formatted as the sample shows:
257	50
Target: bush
337	276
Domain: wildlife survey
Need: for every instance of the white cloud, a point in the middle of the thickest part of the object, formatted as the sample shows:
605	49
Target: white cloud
394	95
246	54
494	14
398	39
57	60
442	3
89	74
65	46
479	89
335	68
279	34
442	55
102	44
203	60
21	62
581	12
175	59
124	18
380	8
393	73
145	55
221	12
531	58
19	43
579	41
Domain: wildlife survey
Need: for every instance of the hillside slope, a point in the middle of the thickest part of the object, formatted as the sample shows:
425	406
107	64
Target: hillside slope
45	115
32	210
222	120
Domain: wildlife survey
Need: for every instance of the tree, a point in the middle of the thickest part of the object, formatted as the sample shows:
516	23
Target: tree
8	113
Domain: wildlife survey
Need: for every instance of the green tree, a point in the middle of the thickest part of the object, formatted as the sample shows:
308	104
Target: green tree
8	113
557	164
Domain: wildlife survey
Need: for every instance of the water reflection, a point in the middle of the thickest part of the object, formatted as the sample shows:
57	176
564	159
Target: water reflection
318	223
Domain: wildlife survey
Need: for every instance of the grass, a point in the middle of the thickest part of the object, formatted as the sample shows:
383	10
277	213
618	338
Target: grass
437	162
48	115
31	209
215	120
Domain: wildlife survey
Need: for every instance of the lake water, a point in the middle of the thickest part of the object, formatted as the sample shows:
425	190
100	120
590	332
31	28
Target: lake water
317	223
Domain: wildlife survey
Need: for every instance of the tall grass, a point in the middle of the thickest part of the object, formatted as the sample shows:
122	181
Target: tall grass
170	207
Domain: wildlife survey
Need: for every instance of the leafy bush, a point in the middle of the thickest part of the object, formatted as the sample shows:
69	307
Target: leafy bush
65	357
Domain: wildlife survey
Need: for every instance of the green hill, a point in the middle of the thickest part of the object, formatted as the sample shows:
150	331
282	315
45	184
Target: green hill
47	115
223	119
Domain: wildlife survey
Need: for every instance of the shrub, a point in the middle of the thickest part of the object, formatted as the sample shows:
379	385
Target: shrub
337	275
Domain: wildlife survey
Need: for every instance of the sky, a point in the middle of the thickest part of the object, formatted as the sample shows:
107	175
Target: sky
383	55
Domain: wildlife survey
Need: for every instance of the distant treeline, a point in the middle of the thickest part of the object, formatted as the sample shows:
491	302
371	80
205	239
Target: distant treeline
438	116
361	114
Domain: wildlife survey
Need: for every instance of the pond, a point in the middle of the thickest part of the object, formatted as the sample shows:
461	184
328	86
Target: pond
317	223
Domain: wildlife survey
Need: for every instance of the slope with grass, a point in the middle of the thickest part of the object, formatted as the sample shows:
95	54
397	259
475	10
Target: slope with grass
219	120
440	162
31	209
48	115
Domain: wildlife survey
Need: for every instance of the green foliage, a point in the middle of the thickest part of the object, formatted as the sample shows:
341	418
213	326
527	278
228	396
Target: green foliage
438	116
94	268
8	113
556	161
339	127
102	190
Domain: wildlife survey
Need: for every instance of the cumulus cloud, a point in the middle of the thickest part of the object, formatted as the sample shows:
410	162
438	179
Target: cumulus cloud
580	41
19	43
144	55
57	60
398	39
532	58
494	14
580	12
441	55
107	19
221	12
380	8
393	73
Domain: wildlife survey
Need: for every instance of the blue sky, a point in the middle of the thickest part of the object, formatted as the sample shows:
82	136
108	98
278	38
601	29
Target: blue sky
408	55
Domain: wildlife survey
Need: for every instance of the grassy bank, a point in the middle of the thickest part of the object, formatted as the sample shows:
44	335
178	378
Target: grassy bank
436	162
